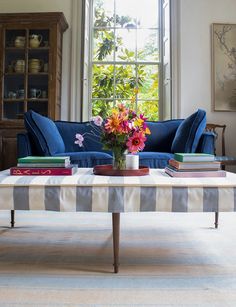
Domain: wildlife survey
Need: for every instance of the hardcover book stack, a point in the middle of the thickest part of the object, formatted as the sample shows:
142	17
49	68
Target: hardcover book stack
47	166
194	165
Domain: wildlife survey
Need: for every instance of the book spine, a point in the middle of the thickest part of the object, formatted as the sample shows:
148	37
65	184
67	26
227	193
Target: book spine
174	163
191	167
195	174
43	160
178	157
194	157
39	171
46	165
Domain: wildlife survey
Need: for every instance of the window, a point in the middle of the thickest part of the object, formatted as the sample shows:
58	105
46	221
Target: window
126	56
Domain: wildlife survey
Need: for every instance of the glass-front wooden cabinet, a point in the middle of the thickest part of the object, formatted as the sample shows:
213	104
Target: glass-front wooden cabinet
30	73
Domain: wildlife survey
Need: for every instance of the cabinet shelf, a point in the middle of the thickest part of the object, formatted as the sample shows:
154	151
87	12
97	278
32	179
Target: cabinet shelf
27	48
37	99
25	99
38	49
15	48
13	99
14	73
38	74
24	73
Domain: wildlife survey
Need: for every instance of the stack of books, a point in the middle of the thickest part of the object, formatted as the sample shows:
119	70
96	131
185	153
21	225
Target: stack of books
47	166
194	165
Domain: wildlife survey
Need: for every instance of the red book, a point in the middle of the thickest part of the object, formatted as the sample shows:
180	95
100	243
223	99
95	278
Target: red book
50	171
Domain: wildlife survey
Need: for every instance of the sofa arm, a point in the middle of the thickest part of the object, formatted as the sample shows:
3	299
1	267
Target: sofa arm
206	143
23	145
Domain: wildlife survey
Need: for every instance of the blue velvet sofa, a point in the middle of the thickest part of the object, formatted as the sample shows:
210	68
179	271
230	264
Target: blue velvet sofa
45	137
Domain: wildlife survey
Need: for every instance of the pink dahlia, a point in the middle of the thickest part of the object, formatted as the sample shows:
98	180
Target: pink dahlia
135	142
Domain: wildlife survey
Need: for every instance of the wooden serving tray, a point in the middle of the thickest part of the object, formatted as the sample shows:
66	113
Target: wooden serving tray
107	170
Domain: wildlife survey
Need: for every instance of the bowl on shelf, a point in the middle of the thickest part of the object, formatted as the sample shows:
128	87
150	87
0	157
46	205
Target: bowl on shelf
19	66
35	65
20	93
19	42
11	95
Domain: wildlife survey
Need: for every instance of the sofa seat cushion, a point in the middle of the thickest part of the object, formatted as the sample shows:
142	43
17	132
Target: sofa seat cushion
44	134
154	159
189	132
88	158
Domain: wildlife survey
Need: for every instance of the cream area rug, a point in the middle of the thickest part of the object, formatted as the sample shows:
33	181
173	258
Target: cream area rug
65	259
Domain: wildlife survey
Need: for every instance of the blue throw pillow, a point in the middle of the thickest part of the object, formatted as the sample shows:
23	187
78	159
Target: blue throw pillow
44	134
189	132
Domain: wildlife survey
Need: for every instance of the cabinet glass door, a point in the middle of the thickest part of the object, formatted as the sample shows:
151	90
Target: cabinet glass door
26	71
14	63
38	68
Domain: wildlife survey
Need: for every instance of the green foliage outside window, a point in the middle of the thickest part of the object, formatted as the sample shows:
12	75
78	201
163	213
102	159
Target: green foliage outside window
126	81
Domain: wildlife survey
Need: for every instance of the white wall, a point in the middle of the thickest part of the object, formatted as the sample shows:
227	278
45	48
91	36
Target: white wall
196	17
25	6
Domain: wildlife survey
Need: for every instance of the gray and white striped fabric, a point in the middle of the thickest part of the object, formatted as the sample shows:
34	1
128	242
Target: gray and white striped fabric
87	192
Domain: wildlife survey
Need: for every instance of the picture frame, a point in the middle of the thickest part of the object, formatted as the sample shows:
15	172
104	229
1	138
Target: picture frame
224	67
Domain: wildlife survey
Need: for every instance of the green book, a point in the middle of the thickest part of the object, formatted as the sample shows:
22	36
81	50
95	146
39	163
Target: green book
52	159
193	157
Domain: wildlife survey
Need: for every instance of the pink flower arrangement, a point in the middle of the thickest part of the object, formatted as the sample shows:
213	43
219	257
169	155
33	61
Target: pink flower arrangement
125	129
120	132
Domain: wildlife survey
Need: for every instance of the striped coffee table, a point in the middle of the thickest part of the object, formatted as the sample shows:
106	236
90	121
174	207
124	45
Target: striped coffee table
87	192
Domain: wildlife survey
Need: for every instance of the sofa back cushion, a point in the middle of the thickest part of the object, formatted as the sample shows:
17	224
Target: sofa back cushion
90	132
162	135
189	132
44	134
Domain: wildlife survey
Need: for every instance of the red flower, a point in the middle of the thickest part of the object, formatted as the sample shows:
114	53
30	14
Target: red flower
135	142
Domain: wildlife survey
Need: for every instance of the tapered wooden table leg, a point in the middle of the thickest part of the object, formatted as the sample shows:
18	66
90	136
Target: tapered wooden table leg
116	239
12	218
216	219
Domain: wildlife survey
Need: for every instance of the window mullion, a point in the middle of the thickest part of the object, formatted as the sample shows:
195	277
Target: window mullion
114	57
136	66
126	63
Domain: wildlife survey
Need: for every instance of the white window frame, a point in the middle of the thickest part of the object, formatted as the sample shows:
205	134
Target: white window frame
86	106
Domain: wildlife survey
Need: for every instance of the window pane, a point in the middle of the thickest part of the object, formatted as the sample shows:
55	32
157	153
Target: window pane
103	81
147	81
128	103
149	109
147	18
103	13
102	108
147	45
103	48
140	13
125	81
125	45
126	13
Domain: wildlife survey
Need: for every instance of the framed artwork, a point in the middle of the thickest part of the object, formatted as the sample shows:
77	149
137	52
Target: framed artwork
224	66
